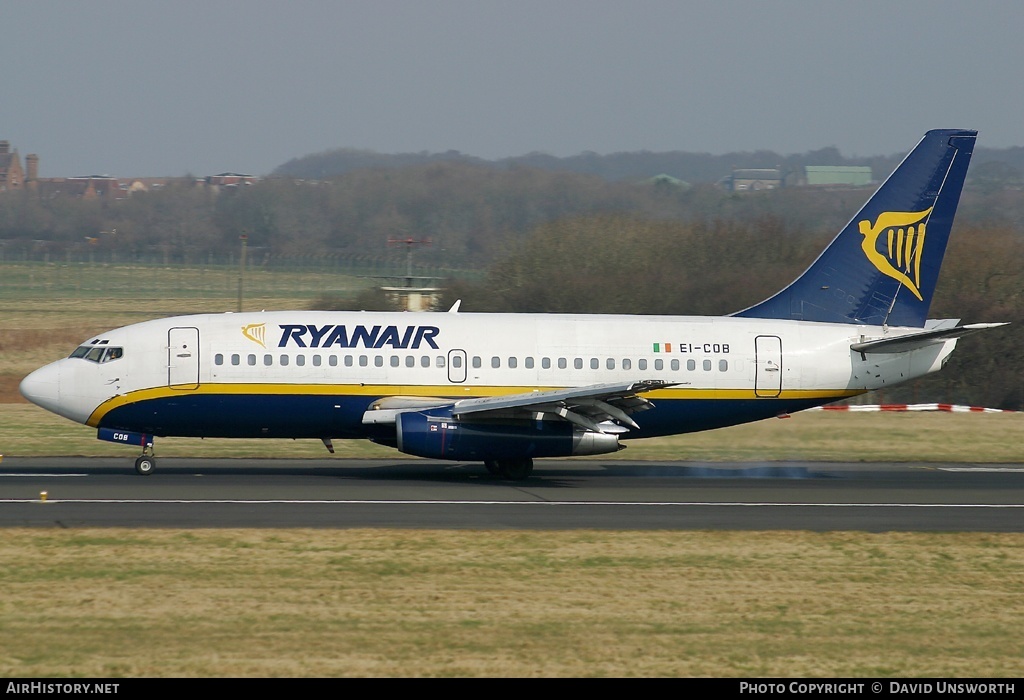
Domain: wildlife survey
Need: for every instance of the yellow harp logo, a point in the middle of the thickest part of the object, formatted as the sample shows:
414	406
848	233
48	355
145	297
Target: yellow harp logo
895	245
256	332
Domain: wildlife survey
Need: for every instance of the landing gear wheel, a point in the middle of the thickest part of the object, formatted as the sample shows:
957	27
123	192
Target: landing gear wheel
515	469
145	465
491	465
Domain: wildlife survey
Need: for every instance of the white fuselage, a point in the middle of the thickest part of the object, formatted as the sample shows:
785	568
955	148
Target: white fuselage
212	374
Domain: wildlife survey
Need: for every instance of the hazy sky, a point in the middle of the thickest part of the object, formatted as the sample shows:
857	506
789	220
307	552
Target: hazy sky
135	88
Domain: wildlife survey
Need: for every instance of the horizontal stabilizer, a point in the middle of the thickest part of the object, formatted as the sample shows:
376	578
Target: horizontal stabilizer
915	341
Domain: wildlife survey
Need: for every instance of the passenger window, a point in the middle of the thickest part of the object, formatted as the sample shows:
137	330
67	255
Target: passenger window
723	365
410	361
395	361
512	363
316	360
578	363
440	360
627	364
378	361
595	363
456	361
659	364
284	360
707	365
476	362
545	363
424	361
235	359
300	360
562	364
268	360
528	362
609	363
251	359
218	359
363	361
641	364
674	364
332	360
495	362
691	365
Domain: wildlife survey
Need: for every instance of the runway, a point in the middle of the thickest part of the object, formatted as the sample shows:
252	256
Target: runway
561	494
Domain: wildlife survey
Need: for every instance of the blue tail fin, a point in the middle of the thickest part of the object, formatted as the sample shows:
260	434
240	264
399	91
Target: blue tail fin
882	267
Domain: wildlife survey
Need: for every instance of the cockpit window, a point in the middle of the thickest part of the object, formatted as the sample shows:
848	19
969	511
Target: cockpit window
98	353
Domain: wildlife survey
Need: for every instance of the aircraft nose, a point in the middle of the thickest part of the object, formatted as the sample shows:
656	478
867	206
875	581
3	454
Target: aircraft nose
42	387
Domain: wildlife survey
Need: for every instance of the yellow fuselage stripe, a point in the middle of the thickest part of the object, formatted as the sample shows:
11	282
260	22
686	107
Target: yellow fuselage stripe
441	391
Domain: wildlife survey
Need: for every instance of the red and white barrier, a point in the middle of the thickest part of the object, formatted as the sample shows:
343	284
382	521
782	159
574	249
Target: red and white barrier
905	407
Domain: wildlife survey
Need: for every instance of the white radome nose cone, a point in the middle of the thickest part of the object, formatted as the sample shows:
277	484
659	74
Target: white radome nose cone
42	387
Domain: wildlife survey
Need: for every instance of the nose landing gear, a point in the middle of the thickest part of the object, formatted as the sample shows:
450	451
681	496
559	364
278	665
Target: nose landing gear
145	464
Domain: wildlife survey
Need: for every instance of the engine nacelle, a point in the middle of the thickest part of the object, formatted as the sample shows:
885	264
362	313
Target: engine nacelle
435	434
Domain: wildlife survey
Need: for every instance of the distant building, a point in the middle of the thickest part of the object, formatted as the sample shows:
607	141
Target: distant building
12	176
413	293
752	179
84	187
230	180
850	175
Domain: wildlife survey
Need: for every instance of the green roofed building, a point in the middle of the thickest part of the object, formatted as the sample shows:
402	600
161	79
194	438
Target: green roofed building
853	175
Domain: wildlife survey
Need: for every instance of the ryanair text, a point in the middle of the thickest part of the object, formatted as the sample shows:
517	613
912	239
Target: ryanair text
411	337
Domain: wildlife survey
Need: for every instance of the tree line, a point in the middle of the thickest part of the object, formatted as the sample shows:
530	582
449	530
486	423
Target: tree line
1005	165
471	214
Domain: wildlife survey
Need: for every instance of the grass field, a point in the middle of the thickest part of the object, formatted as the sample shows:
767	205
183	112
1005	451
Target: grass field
107	281
263	603
153	603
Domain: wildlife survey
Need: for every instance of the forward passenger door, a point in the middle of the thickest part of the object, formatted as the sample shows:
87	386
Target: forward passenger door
183	359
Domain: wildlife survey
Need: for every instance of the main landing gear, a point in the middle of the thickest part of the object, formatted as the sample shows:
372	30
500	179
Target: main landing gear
512	469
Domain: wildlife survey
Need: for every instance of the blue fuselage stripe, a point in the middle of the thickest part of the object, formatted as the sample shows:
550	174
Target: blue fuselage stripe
312	416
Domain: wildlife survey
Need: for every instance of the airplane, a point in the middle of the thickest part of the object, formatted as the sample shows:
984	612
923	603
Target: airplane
506	389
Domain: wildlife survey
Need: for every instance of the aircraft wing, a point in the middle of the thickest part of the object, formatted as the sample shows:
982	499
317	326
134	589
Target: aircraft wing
914	341
593	407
